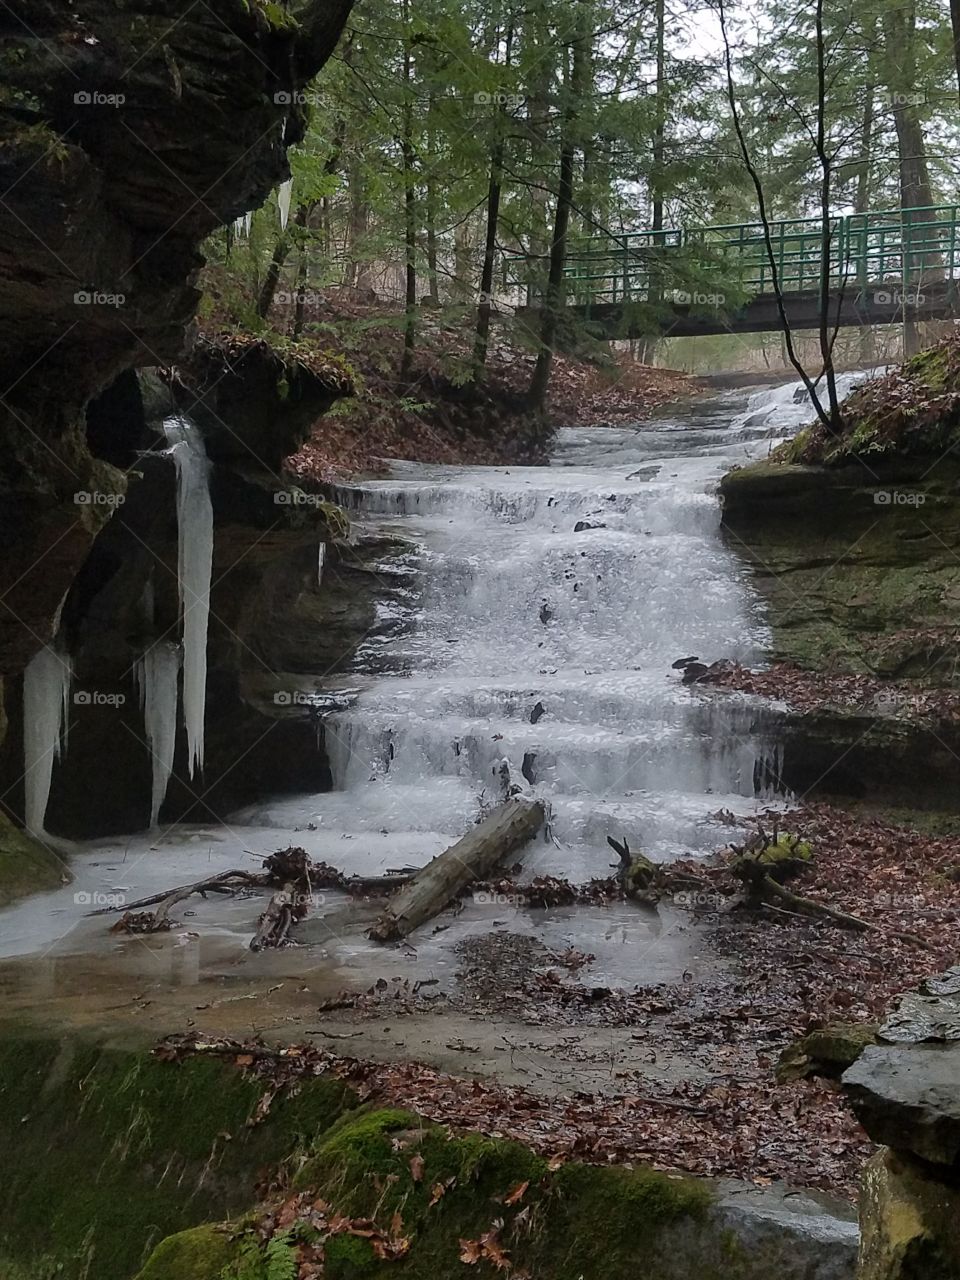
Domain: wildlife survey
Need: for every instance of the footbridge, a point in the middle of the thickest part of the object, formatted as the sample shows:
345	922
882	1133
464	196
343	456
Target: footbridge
880	268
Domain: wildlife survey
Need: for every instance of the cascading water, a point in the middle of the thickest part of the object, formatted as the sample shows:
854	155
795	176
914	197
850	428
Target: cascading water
195	561
156	675
46	706
554	603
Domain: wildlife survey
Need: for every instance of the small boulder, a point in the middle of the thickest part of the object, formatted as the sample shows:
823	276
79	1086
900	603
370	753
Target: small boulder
582	525
828	1051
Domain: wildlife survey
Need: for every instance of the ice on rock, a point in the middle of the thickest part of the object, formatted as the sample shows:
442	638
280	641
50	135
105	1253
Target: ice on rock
157	673
46	706
283	202
194	561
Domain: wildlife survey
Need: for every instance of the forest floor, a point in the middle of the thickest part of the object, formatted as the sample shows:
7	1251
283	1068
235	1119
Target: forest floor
518	1039
437	413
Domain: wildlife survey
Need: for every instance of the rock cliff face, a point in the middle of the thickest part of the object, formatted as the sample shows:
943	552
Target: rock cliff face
129	130
854	542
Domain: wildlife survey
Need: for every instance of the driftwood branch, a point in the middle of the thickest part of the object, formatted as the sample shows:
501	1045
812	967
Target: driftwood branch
507	828
289	871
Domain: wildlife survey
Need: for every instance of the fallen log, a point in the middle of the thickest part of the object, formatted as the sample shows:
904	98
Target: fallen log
508	827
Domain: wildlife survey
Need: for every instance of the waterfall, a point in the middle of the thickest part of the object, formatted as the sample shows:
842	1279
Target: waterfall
283	202
321	559
194	563
156	675
46	701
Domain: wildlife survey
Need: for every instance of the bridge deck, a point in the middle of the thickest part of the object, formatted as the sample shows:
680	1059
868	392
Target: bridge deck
880	267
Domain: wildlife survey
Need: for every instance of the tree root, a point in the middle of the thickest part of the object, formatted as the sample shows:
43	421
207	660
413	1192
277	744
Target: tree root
289	871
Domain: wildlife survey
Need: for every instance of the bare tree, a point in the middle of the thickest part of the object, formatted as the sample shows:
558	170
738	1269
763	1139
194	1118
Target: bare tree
829	414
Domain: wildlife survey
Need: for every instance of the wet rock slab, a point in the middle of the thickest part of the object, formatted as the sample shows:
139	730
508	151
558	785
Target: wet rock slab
778	1232
908	1097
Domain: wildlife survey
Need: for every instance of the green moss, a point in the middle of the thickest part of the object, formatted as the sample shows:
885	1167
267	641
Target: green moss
787	848
350	1258
26	865
609	1219
277	16
108	1151
190	1255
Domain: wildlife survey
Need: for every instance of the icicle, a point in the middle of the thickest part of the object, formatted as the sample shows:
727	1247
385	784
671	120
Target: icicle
239	227
194	562
321	557
283	202
46	703
247	224
156	675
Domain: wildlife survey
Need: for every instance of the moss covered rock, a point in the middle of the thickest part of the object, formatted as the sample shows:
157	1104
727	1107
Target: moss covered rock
26	865
106	1151
191	1255
463	1198
910	1223
828	1051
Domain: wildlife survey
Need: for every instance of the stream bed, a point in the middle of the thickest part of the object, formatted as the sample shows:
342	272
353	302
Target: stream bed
548	608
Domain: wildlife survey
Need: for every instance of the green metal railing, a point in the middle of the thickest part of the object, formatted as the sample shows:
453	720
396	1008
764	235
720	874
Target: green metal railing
898	247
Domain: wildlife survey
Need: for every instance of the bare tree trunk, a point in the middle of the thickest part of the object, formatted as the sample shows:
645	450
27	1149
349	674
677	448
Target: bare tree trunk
826	230
485	301
553	301
655	285
754	175
862	201
409	207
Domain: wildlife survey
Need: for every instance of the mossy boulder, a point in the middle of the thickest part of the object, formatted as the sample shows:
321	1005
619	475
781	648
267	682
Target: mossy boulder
910	1223
191	1255
108	1150
828	1051
26	865
445	1192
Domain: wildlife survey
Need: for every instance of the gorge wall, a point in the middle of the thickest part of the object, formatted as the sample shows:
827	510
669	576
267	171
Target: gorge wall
129	130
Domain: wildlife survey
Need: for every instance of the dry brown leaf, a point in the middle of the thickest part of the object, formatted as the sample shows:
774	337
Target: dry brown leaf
517	1193
471	1251
416	1168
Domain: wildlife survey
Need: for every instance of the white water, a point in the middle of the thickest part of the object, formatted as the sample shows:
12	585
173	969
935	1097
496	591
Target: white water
157	673
553	649
195	560
46	708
